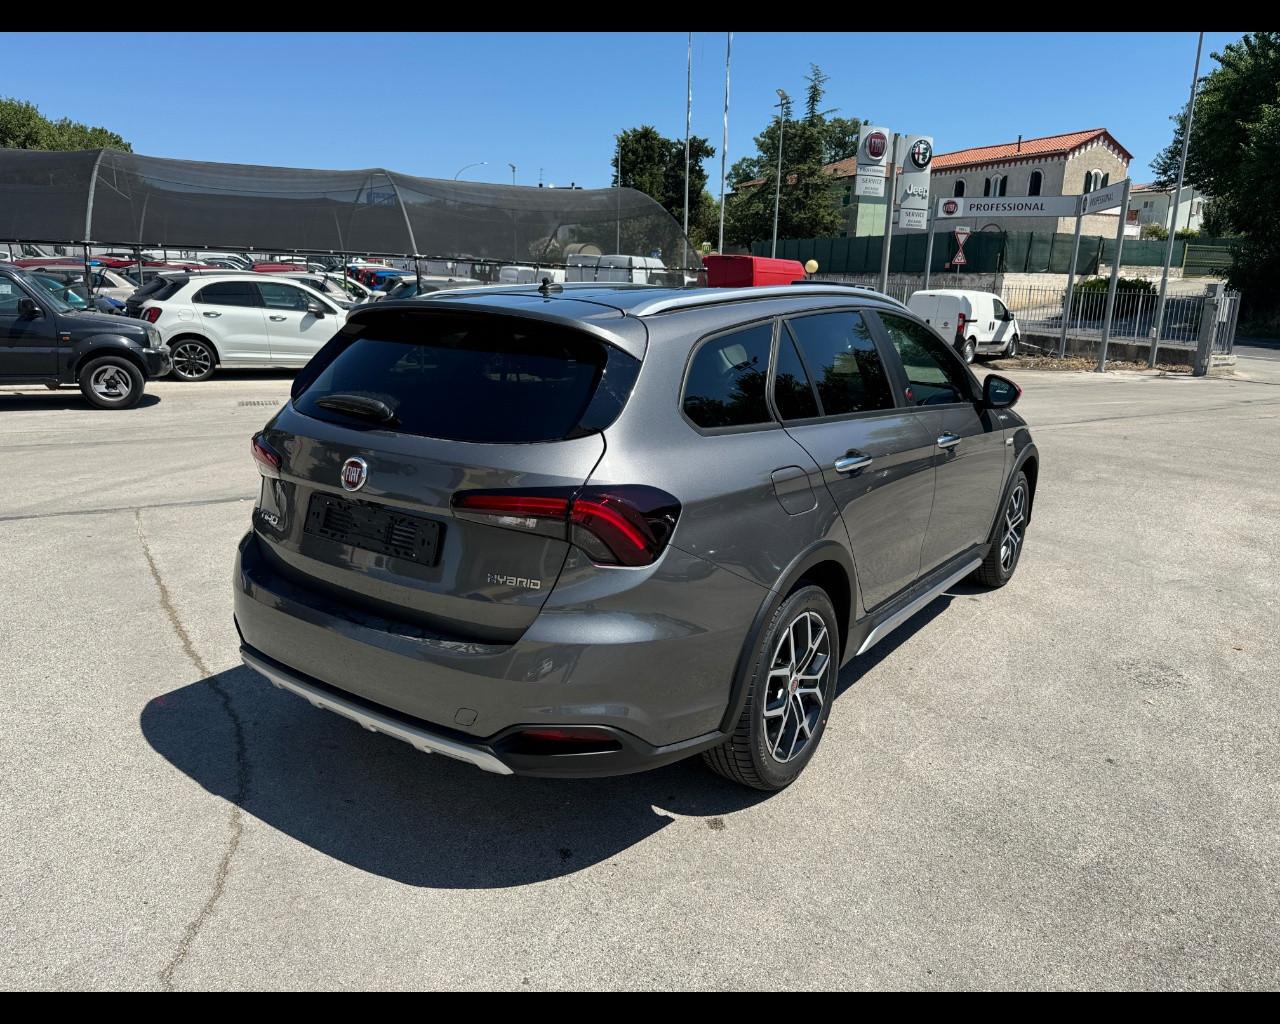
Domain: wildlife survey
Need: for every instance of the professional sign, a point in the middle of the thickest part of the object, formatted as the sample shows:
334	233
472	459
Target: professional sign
873	151
1009	206
914	157
1104	198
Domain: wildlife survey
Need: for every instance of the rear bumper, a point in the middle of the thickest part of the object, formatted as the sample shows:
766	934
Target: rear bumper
657	684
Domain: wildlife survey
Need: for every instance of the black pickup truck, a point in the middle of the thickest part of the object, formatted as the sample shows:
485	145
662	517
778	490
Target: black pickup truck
43	340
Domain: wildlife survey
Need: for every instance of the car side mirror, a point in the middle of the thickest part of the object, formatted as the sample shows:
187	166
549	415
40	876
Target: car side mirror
28	310
999	392
315	309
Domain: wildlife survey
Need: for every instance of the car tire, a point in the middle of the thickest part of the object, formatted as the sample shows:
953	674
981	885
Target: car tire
1012	348
969	350
193	359
112	382
782	724
998	567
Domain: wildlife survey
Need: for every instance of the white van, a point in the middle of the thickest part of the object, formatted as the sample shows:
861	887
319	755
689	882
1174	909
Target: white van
979	322
530	275
631	269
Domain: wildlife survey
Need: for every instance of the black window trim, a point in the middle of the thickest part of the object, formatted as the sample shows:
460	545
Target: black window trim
877	339
899	373
774	423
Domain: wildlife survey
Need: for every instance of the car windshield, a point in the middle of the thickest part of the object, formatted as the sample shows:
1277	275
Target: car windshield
45	294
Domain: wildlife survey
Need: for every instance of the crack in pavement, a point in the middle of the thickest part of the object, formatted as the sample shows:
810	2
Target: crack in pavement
236	821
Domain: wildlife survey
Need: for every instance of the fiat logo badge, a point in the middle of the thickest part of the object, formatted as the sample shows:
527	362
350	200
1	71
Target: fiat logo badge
876	145
950	207
355	471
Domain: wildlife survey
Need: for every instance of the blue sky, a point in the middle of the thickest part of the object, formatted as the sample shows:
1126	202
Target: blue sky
429	104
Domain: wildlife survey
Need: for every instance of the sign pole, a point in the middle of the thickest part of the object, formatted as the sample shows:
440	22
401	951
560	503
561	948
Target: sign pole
1177	195
928	251
888	215
1071	280
1115	278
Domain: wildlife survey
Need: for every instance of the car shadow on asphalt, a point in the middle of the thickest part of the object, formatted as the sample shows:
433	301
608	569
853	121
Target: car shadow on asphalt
64	398
425	820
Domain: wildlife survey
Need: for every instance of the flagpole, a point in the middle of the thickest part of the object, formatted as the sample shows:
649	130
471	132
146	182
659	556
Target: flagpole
724	146
688	122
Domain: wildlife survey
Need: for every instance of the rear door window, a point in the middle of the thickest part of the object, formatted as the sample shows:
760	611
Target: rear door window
726	382
847	369
229	293
494	380
793	392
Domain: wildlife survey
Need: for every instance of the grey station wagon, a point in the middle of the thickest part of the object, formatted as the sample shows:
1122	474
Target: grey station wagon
585	530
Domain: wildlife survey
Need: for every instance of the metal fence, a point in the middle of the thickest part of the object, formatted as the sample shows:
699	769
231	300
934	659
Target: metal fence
1040	310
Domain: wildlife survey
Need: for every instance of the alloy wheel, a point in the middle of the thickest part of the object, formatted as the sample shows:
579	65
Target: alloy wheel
191	360
1015	523
794	690
111	384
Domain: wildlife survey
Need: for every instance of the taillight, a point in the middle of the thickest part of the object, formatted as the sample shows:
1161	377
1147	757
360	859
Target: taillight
563	740
267	458
151	314
624	525
960	322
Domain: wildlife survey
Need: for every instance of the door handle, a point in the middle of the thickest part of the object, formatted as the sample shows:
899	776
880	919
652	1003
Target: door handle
277	318
948	440
850	463
211	313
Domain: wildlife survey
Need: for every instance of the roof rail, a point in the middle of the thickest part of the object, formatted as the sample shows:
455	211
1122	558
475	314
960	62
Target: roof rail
716	296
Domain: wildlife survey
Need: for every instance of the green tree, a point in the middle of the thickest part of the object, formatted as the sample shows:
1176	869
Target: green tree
807	207
1234	157
22	126
654	165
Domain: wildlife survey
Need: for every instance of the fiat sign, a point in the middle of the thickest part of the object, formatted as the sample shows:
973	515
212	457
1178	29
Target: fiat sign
873	151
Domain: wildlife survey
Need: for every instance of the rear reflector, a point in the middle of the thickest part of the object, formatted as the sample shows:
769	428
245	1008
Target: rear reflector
624	525
565	740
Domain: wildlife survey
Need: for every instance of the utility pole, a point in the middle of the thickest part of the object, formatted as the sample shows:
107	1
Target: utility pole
1177	195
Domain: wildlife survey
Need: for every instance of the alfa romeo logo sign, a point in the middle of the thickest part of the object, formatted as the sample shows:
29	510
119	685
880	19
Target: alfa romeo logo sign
921	153
876	145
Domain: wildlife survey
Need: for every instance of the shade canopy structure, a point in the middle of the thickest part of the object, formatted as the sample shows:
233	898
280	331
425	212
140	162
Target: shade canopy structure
110	197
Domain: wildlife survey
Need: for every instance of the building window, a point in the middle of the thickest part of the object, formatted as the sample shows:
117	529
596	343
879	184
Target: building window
986	187
1037	179
1106	180
958	191
1004	185
845	200
1093	180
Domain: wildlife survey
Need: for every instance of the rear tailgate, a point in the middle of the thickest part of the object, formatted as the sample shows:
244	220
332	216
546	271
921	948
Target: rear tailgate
479	404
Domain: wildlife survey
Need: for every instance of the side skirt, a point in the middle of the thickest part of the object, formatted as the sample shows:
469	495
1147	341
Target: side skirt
886	621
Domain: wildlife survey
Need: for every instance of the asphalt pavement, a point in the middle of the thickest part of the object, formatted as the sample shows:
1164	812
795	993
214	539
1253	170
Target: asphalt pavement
1072	782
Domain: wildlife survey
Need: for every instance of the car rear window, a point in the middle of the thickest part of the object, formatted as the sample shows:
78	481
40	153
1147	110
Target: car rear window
495	380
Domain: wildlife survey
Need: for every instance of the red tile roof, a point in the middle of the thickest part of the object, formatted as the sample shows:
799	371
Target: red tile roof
1049	145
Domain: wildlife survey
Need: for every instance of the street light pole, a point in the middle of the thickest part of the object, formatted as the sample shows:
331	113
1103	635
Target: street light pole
688	124
513	173
1177	194
783	100
478	163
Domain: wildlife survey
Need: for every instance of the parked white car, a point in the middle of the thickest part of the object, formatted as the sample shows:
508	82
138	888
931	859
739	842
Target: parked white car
240	320
979	323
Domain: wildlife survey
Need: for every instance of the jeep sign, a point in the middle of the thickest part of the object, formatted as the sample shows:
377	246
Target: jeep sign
914	157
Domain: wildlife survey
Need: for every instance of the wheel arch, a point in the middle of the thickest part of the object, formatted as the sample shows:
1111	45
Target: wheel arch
196	336
96	348
826	564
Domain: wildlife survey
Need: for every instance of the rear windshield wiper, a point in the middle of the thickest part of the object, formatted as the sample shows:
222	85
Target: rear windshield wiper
360	405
